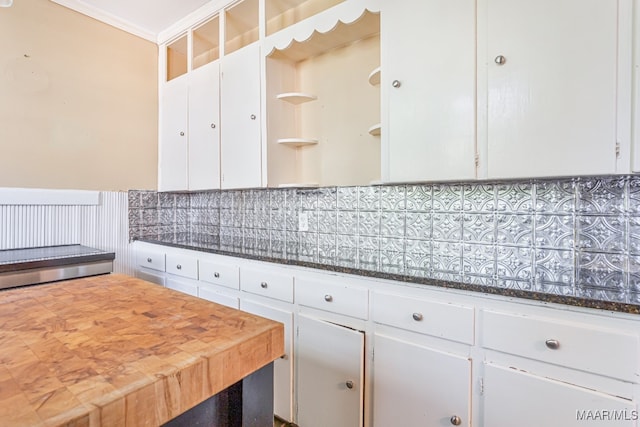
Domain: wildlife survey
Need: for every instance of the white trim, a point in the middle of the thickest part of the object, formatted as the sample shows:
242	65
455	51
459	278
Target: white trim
38	196
107	18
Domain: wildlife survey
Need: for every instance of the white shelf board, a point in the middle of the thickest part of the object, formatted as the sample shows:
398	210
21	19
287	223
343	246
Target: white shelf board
297	142
296	97
374	77
299	185
375	129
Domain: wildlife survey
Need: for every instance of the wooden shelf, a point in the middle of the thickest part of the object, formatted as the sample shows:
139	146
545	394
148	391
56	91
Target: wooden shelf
375	130
374	77
296	97
297	142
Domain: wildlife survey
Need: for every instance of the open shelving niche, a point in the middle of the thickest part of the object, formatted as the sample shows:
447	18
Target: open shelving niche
319	101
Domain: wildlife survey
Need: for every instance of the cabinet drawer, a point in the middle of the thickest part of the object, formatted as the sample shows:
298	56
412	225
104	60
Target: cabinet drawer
334	297
220	274
182	265
151	259
582	346
444	320
267	283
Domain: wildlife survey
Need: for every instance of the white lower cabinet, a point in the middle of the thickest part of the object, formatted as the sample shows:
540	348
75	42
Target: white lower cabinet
330	380
363	352
419	386
283	367
516	398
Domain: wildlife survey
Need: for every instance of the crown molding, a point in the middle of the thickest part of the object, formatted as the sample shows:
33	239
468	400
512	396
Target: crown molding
110	19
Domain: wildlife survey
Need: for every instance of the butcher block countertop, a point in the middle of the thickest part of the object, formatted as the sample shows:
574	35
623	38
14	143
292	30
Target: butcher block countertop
113	350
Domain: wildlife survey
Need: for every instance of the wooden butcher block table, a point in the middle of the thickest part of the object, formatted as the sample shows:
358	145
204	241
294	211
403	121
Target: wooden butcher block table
113	350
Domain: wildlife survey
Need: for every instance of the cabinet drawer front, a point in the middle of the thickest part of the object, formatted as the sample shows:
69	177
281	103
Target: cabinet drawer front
220	274
586	347
151	259
334	297
267	283
448	321
181	265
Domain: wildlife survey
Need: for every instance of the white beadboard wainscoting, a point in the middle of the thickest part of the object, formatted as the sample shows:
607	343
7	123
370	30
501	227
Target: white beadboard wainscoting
47	221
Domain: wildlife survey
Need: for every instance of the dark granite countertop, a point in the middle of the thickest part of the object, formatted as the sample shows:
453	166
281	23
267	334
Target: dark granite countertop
50	256
212	245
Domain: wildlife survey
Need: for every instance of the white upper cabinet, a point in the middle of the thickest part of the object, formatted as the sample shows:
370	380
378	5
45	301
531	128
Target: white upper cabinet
172	170
553	81
241	147
204	127
428	90
190	111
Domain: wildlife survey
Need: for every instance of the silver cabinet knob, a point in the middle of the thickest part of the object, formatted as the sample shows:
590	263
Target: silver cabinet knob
263	285
349	384
216	275
284	357
552	344
396	84
181	133
328	298
417	317
253	117
149	260
213	125
500	60
179	267
455	420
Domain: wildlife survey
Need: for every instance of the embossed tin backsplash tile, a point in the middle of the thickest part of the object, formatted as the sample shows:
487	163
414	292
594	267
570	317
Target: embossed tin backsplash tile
572	236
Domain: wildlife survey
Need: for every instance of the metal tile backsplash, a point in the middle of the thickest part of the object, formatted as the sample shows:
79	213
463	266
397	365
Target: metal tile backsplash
577	237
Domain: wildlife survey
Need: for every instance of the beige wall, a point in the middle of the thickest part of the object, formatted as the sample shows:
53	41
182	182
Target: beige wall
78	102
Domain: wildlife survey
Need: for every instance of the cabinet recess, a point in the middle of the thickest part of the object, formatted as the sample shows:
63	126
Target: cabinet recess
206	43
176	62
241	25
324	59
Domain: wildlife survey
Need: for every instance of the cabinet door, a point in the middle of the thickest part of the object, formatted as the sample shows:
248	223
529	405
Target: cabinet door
172	173
515	398
283	367
552	100
418	386
204	127
330	360
429	133
240	147
183	286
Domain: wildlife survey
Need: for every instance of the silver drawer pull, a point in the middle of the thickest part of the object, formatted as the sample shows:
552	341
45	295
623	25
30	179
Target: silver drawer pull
552	344
417	317
349	384
149	260
284	357
263	285
455	420
328	298
216	275
179	267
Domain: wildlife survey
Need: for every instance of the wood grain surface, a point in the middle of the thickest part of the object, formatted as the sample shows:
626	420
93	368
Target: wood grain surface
113	350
